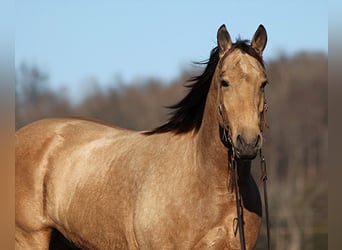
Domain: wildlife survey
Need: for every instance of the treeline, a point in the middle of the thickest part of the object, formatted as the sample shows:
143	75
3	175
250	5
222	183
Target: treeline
296	144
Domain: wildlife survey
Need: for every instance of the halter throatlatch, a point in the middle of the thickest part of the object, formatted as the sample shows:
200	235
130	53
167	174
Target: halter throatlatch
225	135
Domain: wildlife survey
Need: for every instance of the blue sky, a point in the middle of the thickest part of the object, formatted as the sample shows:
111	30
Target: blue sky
74	41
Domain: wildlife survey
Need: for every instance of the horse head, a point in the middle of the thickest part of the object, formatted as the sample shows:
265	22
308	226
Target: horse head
240	79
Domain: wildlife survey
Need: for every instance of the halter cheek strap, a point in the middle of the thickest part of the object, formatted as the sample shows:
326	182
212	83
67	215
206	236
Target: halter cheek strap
225	132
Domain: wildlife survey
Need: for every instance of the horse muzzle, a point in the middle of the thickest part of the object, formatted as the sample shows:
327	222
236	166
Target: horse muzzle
247	149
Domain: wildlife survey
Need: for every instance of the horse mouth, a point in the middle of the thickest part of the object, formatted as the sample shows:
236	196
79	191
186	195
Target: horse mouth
246	155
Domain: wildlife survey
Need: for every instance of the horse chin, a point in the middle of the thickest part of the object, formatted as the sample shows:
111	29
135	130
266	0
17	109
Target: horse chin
246	156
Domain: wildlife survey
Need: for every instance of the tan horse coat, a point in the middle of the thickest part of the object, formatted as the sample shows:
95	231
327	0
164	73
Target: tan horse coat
104	187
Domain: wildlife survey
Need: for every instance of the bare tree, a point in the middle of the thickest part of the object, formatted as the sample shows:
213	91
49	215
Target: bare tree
34	99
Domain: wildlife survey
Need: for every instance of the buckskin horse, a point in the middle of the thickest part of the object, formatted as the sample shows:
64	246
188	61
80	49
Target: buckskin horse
104	187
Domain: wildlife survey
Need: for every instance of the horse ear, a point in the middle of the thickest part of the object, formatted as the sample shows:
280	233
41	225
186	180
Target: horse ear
224	42
259	39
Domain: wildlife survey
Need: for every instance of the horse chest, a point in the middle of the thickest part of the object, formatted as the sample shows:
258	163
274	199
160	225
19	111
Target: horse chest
178	222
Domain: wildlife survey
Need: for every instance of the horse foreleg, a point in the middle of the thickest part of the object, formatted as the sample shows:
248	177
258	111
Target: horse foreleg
35	240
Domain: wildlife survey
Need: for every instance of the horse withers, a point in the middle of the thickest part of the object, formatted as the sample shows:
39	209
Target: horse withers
104	187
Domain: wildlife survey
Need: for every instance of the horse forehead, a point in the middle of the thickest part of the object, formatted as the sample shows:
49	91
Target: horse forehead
241	65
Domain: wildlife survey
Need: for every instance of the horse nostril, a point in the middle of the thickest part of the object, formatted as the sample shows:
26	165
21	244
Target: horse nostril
240	139
258	141
241	142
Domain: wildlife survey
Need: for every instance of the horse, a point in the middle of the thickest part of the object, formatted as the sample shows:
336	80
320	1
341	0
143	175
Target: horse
105	187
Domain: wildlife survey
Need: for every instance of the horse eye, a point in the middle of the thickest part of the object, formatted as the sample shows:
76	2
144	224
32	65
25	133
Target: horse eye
263	85
224	83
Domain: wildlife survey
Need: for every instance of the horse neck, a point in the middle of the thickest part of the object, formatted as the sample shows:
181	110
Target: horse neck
213	155
209	143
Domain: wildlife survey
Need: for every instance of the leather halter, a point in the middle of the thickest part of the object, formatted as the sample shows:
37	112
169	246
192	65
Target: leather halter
225	135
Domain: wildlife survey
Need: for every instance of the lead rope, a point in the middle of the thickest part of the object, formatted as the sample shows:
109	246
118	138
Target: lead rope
239	207
232	167
264	180
263	177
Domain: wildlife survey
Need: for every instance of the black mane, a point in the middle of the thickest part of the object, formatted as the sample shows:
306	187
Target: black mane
188	113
